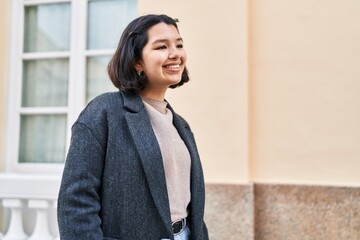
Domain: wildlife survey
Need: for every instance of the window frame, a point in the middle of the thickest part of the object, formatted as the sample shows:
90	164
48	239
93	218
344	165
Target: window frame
77	56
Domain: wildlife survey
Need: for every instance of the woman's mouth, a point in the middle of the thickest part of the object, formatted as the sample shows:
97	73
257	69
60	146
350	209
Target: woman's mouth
173	67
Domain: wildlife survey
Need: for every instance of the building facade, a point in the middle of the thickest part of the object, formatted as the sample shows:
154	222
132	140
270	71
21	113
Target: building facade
273	101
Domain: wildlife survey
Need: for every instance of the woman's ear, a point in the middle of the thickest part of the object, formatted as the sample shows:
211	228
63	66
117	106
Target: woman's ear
137	65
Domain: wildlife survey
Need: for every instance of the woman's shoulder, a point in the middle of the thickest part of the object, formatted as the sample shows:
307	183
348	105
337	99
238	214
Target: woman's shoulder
178	117
101	107
106	99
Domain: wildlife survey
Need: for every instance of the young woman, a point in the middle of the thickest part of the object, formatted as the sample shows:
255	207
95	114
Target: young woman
133	170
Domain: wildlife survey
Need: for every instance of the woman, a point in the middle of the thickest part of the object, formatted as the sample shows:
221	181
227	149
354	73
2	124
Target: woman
133	171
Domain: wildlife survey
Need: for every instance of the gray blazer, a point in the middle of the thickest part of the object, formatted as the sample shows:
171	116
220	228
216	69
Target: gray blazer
113	185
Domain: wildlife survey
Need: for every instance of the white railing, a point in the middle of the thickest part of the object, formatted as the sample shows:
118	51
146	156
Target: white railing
30	203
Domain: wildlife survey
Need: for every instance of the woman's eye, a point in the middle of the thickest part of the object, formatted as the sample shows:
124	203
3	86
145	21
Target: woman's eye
180	46
161	47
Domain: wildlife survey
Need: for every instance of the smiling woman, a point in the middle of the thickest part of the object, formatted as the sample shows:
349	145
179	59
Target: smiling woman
133	170
141	47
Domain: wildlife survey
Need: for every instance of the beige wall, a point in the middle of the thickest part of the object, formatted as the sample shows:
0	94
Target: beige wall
305	91
303	88
4	10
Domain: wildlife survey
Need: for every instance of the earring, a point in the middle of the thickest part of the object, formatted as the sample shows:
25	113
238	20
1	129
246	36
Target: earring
139	72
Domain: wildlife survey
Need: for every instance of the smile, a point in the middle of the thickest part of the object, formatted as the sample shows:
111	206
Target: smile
176	66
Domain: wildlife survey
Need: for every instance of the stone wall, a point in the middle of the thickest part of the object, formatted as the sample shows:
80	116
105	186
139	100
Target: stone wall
282	212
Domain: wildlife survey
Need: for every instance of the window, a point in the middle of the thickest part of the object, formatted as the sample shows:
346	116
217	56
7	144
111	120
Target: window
59	54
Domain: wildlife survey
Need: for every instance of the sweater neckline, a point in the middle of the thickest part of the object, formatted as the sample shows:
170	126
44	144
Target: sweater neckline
160	106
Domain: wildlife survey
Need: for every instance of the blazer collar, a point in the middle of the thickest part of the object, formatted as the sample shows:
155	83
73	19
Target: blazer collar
132	102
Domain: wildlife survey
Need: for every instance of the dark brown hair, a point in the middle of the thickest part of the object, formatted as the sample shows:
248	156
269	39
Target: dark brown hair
121	68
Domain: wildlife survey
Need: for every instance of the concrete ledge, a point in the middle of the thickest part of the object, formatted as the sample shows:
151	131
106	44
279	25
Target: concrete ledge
24	186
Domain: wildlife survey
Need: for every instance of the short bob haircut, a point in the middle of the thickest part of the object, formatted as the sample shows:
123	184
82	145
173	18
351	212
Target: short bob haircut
121	67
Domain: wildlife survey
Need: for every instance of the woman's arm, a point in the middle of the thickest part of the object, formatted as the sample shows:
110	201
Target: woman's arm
79	200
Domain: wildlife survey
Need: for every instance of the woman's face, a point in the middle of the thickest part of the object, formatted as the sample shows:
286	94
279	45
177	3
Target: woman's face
163	58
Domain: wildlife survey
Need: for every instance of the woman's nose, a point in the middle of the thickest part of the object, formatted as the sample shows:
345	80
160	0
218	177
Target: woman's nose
174	53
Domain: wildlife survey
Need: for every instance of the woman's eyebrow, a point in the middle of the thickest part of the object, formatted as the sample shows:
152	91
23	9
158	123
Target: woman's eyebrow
166	40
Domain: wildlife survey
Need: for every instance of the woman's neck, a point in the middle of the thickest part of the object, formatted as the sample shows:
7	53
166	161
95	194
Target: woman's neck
151	94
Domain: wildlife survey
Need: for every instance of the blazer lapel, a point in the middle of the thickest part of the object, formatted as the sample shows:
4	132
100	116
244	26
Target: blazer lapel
150	154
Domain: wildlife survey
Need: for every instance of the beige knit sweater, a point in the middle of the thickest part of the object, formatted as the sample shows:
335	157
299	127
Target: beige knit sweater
176	157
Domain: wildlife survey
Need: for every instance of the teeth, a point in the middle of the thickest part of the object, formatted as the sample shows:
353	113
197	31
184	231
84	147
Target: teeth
173	66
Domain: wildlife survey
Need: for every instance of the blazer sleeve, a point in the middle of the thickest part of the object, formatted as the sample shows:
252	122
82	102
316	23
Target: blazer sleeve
205	232
79	200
